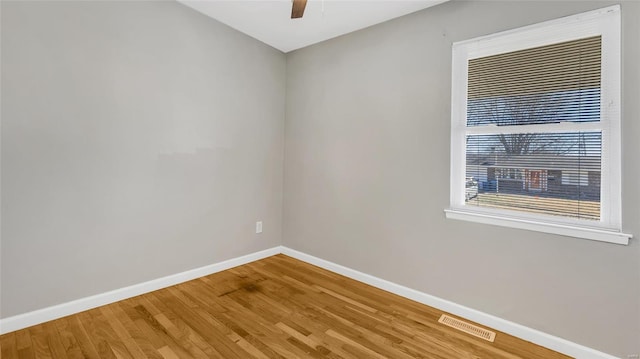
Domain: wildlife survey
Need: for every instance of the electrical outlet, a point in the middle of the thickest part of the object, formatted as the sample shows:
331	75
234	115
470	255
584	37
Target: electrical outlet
259	227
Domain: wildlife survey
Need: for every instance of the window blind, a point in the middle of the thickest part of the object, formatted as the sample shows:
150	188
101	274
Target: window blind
545	169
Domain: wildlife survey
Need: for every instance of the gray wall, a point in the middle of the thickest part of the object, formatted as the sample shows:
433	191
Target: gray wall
367	178
139	139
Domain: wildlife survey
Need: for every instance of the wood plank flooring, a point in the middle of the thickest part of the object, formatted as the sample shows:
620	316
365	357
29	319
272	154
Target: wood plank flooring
277	307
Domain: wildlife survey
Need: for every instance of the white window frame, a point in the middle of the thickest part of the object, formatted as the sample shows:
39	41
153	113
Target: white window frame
604	22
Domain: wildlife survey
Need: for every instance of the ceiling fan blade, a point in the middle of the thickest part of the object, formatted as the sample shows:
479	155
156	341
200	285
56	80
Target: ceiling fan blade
298	8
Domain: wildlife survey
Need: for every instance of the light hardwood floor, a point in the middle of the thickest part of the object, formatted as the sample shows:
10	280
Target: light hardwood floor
277	307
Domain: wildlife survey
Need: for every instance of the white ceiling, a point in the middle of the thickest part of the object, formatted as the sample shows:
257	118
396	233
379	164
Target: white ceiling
270	20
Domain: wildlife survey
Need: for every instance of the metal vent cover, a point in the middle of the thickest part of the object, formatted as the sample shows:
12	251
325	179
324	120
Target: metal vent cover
467	328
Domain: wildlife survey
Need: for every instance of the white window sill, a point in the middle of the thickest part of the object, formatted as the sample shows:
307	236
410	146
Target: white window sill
560	229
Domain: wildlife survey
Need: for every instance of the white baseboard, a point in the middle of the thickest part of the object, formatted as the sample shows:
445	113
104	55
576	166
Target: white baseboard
563	346
25	320
535	336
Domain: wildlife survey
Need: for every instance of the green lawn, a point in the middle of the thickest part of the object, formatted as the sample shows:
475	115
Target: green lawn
538	204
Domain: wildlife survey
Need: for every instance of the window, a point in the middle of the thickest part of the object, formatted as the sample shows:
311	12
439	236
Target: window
536	122
576	178
509	173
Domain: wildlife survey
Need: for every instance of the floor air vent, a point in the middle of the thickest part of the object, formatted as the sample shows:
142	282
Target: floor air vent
467	328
